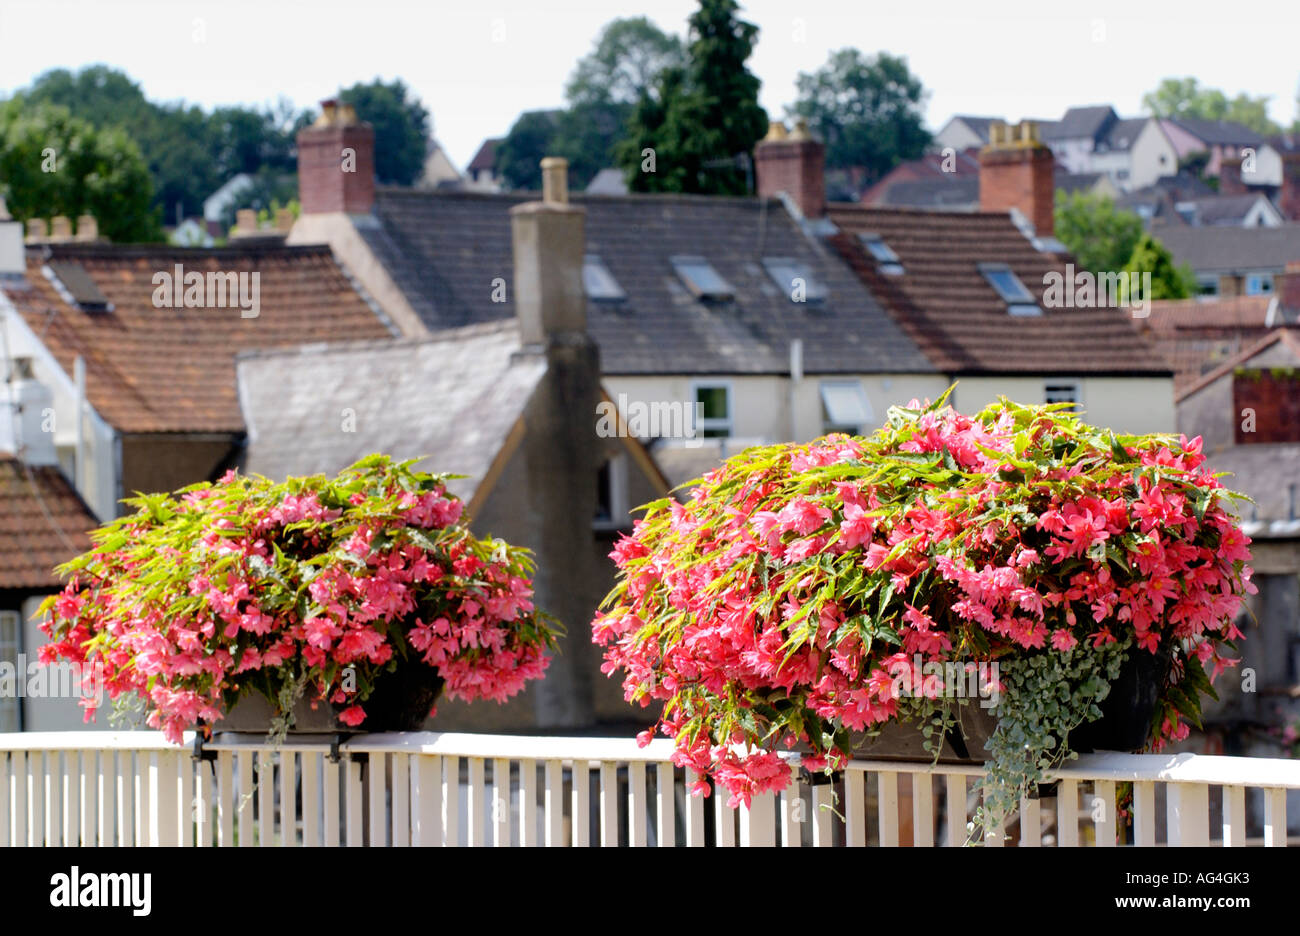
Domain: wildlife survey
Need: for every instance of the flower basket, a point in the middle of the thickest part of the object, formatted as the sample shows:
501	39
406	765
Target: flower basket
313	604
818	596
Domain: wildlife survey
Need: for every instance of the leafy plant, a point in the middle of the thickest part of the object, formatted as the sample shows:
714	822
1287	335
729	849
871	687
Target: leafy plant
313	585
782	603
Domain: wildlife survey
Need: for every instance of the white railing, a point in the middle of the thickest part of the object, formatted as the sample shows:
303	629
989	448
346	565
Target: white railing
425	788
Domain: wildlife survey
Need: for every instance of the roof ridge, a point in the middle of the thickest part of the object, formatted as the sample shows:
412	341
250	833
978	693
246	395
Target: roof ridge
1280	333
442	336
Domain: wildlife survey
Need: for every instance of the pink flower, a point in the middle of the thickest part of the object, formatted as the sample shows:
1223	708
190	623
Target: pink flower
352	716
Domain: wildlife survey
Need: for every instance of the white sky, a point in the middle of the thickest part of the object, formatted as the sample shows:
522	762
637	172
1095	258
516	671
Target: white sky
478	64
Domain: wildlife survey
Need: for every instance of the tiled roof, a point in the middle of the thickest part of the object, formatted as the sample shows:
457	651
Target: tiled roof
1233	249
944	302
445	250
1226	312
1122	134
172	369
1198	335
951	193
453	397
42	523
1287	336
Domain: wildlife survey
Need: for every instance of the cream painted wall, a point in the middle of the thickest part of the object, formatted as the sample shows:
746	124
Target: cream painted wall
761	406
1125	404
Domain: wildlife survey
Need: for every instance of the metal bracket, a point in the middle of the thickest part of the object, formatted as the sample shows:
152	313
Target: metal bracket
200	753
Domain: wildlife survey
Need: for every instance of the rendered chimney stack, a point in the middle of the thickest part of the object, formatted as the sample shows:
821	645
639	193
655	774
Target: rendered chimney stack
1018	171
549	243
793	163
12	257
336	163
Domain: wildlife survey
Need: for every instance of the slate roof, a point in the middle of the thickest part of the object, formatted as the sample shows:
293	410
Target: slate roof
453	397
1264	472
952	193
1225	209
1233	249
486	157
42	523
173	369
1122	134
1218	132
978	125
444	250
945	304
1078	123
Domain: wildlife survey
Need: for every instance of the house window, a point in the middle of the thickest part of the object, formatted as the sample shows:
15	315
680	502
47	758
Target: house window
845	407
713	410
1207	285
704	282
1019	300
612	504
794	279
888	261
1259	284
598	283
1062	391
10	626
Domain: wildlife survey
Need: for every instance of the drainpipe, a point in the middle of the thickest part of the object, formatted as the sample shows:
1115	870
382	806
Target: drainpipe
78	467
796	377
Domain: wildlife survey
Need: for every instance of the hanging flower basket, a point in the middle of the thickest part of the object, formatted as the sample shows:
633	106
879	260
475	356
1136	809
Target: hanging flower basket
349	602
809	596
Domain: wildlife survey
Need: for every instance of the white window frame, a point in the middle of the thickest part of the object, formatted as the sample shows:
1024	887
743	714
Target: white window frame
620	506
1074	383
1258	278
703	423
827	425
11	645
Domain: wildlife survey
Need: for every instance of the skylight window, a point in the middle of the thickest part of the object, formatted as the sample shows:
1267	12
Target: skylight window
598	282
75	286
1020	301
883	254
794	279
704	282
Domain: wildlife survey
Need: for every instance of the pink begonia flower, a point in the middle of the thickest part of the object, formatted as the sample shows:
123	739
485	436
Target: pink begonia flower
352	716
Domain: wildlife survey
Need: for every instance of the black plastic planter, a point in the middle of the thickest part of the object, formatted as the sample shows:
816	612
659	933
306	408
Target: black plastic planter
1129	709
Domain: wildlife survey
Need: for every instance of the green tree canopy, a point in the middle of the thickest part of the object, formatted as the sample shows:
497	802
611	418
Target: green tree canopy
867	109
402	128
705	119
1100	236
1185	97
624	63
531	138
94	171
1167	280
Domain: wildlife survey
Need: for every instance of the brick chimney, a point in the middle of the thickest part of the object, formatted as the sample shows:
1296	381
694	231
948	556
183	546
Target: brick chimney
793	163
561	448
1288	197
1230	181
1287	288
1018	171
336	163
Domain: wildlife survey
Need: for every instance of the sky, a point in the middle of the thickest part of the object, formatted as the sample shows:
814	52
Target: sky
477	65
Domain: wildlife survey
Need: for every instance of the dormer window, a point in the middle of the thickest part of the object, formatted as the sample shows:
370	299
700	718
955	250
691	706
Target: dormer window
598	283
882	253
703	281
794	279
1020	301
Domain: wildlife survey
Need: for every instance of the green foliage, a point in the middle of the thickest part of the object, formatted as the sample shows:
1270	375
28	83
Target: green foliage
867	109
95	171
624	65
1167	280
1044	697
402	128
706	117
1100	236
1185	97
519	155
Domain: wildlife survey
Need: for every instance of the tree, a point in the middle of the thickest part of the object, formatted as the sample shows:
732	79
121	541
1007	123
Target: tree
1167	280
625	64
706	118
402	128
57	164
1184	97
867	109
1100	236
519	155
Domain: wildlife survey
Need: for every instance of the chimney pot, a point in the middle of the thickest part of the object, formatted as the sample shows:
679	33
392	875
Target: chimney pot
283	220
61	228
775	131
555	180
245	223
1018	171
37	229
87	228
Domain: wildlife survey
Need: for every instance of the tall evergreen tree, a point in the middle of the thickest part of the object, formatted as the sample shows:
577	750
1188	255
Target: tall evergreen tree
706	118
